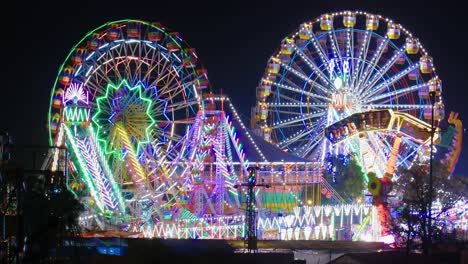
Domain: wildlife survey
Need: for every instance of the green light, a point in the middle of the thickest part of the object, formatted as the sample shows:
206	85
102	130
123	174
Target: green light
75	114
105	98
87	178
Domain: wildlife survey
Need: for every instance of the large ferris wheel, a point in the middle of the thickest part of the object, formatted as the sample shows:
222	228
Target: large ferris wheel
122	104
353	83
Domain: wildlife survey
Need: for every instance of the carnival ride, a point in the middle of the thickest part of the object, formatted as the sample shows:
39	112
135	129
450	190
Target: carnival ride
341	65
151	149
355	84
122	103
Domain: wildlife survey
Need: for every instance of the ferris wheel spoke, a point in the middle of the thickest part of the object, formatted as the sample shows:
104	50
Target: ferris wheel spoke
143	52
286	99
349	44
388	65
153	67
174	73
373	64
295	72
284	112
295	65
290	82
319	49
128	71
397	93
186	121
309	131
163	61
335	49
98	75
314	69
298	104
300	118
162	64
187	81
349	53
165	77
396	106
181	105
359	63
293	126
169	91
311	145
386	83
299	91
363	64
293	139
121	56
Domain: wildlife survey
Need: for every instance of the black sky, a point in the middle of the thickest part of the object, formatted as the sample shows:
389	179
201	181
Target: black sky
234	40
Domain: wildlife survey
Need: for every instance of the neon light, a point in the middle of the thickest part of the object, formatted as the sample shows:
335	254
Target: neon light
89	70
89	183
58	143
97	119
76	93
106	169
76	114
135	169
90	55
103	46
89	154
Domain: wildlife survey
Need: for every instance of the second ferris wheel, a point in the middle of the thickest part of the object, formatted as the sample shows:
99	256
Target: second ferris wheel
352	83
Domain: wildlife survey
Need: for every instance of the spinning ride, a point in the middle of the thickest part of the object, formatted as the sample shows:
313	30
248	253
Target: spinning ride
122	104
350	83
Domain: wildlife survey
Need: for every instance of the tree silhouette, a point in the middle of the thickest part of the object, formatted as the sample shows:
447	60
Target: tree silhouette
411	205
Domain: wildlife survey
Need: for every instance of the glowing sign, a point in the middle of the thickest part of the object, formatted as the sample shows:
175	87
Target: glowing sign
338	83
346	66
76	93
339	100
75	115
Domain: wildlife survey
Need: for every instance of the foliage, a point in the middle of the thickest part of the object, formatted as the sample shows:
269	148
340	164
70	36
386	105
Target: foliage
346	177
411	225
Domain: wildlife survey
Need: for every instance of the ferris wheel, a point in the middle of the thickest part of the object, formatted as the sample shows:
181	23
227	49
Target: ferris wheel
122	104
350	83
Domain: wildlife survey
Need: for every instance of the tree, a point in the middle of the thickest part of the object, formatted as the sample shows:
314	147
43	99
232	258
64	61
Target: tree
346	177
410	224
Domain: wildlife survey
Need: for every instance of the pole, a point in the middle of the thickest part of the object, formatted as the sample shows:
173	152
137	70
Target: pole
251	216
432	95
251	223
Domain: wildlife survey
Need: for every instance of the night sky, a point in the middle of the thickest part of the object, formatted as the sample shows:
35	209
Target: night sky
234	40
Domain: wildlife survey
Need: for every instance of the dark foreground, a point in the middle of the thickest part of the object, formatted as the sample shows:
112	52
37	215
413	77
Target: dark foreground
134	250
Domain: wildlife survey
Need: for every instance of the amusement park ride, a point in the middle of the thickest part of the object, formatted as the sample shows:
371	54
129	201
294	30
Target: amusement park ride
151	148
